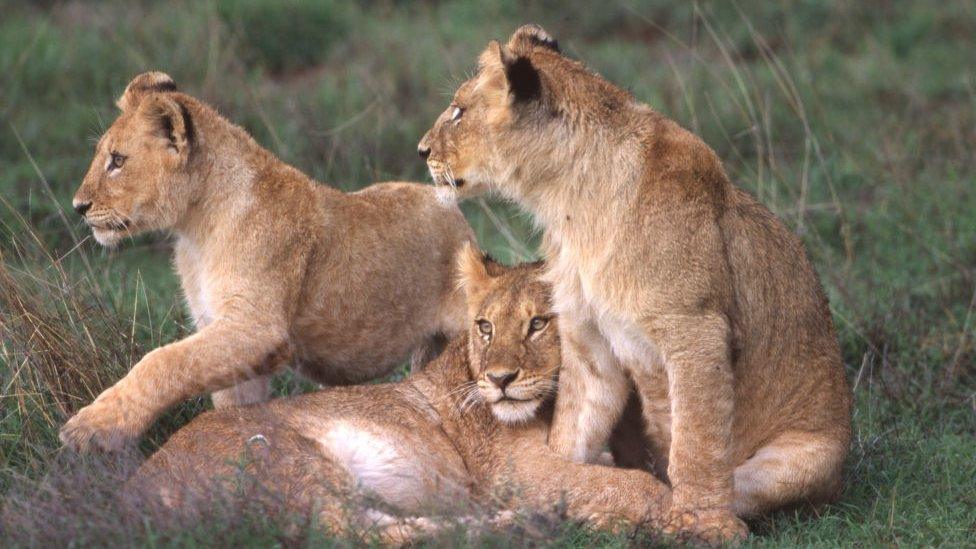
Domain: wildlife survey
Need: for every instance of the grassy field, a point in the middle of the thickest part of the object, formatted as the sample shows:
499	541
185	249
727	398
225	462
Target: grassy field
854	121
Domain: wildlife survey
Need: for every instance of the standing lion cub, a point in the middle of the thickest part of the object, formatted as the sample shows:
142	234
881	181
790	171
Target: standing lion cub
276	268
666	276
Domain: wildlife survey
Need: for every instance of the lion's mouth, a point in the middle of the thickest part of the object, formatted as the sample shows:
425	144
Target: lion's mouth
110	230
508	398
113	225
443	175
117	227
446	181
508	401
511	410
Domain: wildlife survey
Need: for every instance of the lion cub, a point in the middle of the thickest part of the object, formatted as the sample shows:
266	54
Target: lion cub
276	269
461	432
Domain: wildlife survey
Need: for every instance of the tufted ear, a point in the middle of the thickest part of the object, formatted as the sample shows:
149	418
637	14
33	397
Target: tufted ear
145	83
530	36
521	77
472	267
524	83
168	119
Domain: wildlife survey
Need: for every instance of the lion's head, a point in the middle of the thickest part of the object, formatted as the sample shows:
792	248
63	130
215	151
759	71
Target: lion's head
138	180
528	115
514	342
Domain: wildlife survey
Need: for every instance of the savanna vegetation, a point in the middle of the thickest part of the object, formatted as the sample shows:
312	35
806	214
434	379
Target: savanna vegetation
855	121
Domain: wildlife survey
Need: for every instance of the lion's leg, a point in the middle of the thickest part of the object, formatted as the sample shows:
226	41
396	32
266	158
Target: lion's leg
593	390
399	531
247	392
395	531
599	495
698	364
655	410
796	468
222	354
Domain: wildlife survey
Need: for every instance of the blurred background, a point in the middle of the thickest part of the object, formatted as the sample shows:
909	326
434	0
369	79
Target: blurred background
853	120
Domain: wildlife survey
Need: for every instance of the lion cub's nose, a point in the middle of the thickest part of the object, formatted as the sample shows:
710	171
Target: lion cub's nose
502	380
423	151
82	207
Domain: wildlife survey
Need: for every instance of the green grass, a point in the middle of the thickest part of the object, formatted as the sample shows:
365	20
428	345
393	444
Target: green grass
854	121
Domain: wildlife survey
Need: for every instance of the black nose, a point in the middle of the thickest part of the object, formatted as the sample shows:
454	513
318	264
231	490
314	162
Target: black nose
82	207
424	152
502	380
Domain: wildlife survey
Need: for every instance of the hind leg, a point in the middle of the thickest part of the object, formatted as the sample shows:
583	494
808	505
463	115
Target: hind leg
795	468
246	392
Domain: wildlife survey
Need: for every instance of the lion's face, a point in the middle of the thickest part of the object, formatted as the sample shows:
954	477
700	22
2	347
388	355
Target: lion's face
514	340
501	120
457	148
138	179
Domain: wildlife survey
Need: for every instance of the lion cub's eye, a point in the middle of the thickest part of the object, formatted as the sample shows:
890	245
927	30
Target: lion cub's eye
116	162
456	114
537	324
485	328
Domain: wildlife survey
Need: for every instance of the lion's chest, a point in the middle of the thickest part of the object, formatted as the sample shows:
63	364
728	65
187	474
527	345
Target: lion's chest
590	297
197	288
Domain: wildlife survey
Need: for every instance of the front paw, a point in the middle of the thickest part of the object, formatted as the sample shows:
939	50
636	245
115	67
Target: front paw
103	425
713	527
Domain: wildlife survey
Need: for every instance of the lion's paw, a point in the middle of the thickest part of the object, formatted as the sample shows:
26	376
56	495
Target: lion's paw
102	425
711	527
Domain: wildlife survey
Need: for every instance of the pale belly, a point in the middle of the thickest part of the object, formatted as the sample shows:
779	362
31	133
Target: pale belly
401	472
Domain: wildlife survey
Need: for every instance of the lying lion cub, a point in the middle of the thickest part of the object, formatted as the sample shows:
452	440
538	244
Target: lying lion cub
461	431
276	268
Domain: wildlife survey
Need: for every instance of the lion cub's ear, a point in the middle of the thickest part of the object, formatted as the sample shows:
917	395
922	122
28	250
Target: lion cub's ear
168	119
521	77
529	36
145	83
472	266
473	274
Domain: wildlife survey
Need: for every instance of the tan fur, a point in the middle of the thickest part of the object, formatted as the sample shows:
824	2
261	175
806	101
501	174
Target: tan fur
424	446
276	269
666	277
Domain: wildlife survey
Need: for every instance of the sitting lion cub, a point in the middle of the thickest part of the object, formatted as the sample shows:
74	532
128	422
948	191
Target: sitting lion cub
276	268
668	278
463	431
